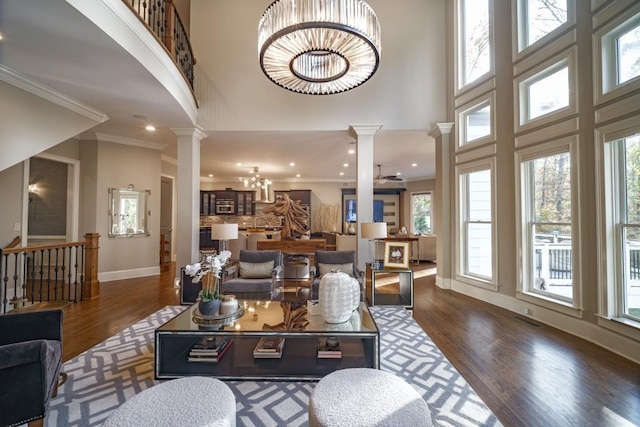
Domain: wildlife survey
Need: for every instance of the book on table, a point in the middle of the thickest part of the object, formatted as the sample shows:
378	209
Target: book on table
269	348
209	351
329	348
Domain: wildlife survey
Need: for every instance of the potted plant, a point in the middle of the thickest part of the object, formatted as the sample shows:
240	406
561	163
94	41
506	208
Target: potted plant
208	270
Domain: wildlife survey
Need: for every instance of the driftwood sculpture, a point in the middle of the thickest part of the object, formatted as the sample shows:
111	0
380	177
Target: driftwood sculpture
295	217
295	317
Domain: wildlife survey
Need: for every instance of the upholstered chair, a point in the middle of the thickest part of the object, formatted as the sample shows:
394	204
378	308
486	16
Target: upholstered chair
30	361
256	275
345	261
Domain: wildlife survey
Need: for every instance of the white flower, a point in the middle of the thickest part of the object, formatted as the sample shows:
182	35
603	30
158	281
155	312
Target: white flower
209	265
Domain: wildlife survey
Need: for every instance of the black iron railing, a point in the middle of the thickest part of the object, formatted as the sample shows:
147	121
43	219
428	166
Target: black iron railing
163	20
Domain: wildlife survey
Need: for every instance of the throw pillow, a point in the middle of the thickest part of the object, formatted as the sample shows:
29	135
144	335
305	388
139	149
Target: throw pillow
327	268
256	270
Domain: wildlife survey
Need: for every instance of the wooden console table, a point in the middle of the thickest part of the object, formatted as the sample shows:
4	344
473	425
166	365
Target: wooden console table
305	246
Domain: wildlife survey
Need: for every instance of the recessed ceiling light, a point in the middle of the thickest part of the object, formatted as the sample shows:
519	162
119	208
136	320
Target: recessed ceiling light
398	173
150	128
345	165
210	175
341	173
297	175
352	151
239	164
414	165
0	36
292	164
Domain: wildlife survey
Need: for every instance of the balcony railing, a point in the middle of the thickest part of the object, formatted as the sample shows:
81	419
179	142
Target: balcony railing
61	272
163	20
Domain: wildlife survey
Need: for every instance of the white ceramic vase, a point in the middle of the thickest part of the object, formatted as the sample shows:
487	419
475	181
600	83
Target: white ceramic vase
338	295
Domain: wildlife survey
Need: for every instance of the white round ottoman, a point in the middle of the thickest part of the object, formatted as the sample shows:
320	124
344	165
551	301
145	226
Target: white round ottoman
189	401
366	397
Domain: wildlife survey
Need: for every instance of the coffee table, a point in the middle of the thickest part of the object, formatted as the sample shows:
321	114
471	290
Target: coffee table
359	341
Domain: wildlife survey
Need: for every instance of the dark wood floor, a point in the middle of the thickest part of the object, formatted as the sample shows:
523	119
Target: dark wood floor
529	376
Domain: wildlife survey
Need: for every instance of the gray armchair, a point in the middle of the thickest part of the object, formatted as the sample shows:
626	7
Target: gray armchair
326	260
251	278
30	360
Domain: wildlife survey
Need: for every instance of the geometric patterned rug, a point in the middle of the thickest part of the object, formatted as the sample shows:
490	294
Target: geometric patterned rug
105	376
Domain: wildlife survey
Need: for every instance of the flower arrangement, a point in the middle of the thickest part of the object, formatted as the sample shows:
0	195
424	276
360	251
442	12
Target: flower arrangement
209	268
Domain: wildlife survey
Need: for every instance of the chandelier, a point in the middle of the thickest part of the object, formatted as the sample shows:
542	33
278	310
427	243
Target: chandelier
319	47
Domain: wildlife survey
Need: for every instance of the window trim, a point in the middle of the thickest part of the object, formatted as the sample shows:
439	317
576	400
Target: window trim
524	285
461	117
522	82
460	70
460	252
519	17
605	62
430	192
606	214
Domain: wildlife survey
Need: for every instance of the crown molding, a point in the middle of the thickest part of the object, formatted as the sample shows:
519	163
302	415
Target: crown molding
103	137
27	84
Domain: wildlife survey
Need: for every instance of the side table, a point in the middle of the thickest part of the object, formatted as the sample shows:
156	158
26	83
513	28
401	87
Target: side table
404	296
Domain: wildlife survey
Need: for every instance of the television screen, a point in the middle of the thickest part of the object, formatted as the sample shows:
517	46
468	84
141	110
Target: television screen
350	211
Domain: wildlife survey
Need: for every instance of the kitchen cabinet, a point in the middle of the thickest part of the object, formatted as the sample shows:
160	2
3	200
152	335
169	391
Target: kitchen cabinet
225	202
207	203
245	202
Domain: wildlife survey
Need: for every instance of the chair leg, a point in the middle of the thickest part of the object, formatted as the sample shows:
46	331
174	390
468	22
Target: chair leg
61	381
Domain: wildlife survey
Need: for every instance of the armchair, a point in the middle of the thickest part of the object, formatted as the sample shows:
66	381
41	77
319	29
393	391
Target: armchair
30	361
325	261
252	277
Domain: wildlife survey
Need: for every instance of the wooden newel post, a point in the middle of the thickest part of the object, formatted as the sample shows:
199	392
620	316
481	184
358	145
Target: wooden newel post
91	288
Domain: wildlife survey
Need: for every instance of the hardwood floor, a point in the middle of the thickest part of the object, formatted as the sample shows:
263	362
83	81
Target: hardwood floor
528	375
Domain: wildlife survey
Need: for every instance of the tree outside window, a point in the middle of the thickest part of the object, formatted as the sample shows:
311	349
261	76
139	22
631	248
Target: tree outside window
421	213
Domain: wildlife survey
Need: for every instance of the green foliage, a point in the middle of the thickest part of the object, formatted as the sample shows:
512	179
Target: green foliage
421	213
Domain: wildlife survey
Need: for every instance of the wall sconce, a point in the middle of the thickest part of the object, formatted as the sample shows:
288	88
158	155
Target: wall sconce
33	189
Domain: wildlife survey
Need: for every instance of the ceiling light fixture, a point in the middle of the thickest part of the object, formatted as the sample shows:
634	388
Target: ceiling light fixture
319	47
150	128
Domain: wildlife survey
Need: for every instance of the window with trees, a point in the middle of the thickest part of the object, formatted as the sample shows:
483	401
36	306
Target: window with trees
474	41
476	122
421	213
547	92
621	54
624	225
476	222
537	18
547	225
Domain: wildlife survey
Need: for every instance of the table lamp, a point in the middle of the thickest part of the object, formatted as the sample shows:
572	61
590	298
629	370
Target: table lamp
373	231
222	233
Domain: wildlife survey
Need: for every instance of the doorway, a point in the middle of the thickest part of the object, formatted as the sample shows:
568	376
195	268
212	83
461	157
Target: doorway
166	223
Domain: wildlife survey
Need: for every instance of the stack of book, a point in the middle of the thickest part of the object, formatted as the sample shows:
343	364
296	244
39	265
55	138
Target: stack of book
269	348
209	349
329	349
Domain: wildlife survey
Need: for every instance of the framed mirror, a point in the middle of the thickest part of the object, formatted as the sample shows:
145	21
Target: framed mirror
128	212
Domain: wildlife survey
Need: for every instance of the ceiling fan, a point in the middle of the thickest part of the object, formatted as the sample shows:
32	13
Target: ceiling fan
380	179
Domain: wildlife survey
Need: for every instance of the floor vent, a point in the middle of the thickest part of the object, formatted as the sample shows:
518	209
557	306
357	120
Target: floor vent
527	321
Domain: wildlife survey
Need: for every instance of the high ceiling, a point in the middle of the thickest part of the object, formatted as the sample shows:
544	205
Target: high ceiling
247	118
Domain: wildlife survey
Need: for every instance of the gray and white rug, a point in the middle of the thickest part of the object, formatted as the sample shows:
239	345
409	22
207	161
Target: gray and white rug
103	377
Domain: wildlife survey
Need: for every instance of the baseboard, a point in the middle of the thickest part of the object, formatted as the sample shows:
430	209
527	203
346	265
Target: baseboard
605	338
109	276
442	282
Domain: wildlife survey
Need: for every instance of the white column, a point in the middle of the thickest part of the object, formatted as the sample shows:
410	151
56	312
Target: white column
188	197
365	171
444	203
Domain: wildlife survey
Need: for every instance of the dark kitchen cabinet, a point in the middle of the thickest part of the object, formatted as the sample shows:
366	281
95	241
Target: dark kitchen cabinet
207	203
245	202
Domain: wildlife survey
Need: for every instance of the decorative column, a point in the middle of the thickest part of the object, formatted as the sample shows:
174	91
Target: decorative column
365	171
91	286
188	197
444	202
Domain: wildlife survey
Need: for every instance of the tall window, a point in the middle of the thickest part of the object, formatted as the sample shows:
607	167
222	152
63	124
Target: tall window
421	213
547	92
625	176
474	47
477	228
548	226
539	18
620	54
628	53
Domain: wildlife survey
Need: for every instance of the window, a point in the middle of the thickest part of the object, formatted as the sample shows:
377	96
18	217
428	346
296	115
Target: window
537	18
624	192
547	93
619	48
476	121
421	213
547	224
476	262
474	46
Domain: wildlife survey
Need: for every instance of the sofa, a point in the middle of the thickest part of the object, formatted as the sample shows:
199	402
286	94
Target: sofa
345	261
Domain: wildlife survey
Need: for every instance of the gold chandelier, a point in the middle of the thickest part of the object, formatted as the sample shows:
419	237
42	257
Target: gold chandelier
319	47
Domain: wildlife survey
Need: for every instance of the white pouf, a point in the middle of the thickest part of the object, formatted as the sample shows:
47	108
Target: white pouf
190	401
366	397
